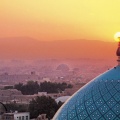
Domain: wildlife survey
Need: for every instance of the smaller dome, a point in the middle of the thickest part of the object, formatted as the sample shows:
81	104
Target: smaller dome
63	67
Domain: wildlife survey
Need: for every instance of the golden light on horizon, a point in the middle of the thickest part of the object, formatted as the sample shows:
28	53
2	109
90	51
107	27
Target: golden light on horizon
49	20
117	37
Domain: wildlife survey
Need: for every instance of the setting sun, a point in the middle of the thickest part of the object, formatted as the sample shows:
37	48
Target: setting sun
117	37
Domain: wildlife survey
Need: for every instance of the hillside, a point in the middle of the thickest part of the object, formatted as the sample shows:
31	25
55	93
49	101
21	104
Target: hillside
25	48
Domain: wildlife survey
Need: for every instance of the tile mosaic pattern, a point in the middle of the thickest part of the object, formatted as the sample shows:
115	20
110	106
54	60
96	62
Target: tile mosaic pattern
98	100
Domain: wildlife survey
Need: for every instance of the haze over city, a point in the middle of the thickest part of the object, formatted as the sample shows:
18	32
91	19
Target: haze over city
49	49
58	32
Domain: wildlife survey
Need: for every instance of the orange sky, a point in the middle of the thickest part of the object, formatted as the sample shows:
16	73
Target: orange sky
60	19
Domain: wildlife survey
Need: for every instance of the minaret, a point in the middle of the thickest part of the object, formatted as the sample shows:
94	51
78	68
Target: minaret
118	51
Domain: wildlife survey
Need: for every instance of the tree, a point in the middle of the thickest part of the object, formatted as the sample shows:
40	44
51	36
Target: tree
19	107
50	87
28	89
18	86
43	105
33	87
8	87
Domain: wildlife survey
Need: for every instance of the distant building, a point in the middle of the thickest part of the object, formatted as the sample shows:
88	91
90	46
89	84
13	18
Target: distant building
14	79
15	96
42	94
10	94
63	68
16	116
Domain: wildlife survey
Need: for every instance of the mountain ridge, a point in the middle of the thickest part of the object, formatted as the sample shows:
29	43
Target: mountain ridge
26	47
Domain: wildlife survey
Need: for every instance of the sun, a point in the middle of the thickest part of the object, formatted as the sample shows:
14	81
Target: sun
117	37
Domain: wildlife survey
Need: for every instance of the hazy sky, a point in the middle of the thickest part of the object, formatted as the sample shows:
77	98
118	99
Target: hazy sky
60	19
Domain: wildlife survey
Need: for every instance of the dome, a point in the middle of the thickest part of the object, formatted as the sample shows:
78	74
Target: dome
63	67
97	100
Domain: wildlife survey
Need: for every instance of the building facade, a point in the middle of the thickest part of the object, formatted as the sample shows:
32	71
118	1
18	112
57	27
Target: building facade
16	116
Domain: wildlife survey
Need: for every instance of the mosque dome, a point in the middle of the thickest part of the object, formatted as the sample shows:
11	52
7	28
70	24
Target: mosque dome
62	67
97	100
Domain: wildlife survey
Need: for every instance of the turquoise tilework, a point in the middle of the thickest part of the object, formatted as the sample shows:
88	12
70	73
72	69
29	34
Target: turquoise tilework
98	100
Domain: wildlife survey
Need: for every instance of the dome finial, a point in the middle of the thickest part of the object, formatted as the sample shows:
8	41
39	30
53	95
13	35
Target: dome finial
117	38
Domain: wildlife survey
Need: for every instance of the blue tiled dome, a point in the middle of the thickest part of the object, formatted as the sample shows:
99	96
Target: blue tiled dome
97	100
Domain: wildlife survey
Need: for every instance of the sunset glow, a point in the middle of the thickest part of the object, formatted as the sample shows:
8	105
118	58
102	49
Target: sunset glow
117	37
60	19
